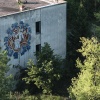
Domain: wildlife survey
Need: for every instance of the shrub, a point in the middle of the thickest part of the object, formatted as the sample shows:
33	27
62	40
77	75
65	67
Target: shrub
26	96
21	84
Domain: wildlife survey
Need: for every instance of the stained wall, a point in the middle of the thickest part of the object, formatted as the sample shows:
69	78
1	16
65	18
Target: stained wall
18	33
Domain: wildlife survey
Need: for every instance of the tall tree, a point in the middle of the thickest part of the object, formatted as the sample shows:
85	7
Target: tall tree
5	81
47	71
78	26
87	85
96	23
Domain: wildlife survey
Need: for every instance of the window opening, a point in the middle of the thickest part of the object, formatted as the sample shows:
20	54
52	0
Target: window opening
38	48
38	27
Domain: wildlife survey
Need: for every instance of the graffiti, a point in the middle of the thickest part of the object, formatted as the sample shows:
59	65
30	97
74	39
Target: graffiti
18	40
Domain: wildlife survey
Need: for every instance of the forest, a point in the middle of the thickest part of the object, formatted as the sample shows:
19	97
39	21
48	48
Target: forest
77	77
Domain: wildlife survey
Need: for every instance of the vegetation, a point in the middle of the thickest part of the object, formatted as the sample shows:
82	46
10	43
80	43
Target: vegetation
47	71
5	80
83	21
96	25
26	96
87	85
78	26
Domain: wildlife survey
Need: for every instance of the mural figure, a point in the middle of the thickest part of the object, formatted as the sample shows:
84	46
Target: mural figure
18	40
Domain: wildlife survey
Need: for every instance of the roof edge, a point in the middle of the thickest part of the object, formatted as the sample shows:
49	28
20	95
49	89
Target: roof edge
54	4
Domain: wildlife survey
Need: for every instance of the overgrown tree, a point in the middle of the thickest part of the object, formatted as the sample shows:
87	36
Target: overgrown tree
47	70
87	85
5	80
78	26
96	25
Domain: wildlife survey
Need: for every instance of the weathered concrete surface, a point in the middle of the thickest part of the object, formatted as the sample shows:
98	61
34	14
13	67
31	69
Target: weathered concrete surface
53	30
53	26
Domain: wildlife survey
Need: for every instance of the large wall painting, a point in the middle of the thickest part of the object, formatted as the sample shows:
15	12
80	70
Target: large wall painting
18	40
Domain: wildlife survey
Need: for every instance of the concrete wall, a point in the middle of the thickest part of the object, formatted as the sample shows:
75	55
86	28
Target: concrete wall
53	23
53	30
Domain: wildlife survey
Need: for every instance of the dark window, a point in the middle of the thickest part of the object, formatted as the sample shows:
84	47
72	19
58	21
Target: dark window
38	27
38	48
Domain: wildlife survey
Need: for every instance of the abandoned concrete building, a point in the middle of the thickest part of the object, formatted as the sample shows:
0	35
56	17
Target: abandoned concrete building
24	32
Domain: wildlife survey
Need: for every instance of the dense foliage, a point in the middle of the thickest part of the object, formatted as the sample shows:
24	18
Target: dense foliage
83	20
78	26
47	70
87	85
5	80
96	25
26	96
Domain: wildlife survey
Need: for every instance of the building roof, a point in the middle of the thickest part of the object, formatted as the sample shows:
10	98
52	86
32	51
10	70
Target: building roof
11	6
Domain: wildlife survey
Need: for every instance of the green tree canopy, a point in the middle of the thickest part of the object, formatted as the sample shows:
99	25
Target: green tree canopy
47	70
5	81
87	85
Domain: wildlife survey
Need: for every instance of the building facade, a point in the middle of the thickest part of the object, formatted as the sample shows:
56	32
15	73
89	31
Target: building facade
23	33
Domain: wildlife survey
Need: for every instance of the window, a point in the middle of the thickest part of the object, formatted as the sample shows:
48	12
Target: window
38	27
38	48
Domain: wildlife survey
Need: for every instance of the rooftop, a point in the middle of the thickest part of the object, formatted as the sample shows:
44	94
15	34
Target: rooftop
11	6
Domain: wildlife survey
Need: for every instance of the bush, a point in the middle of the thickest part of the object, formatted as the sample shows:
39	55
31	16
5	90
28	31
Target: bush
21	84
26	96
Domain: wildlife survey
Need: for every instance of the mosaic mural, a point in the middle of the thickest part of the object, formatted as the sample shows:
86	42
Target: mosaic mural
18	40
